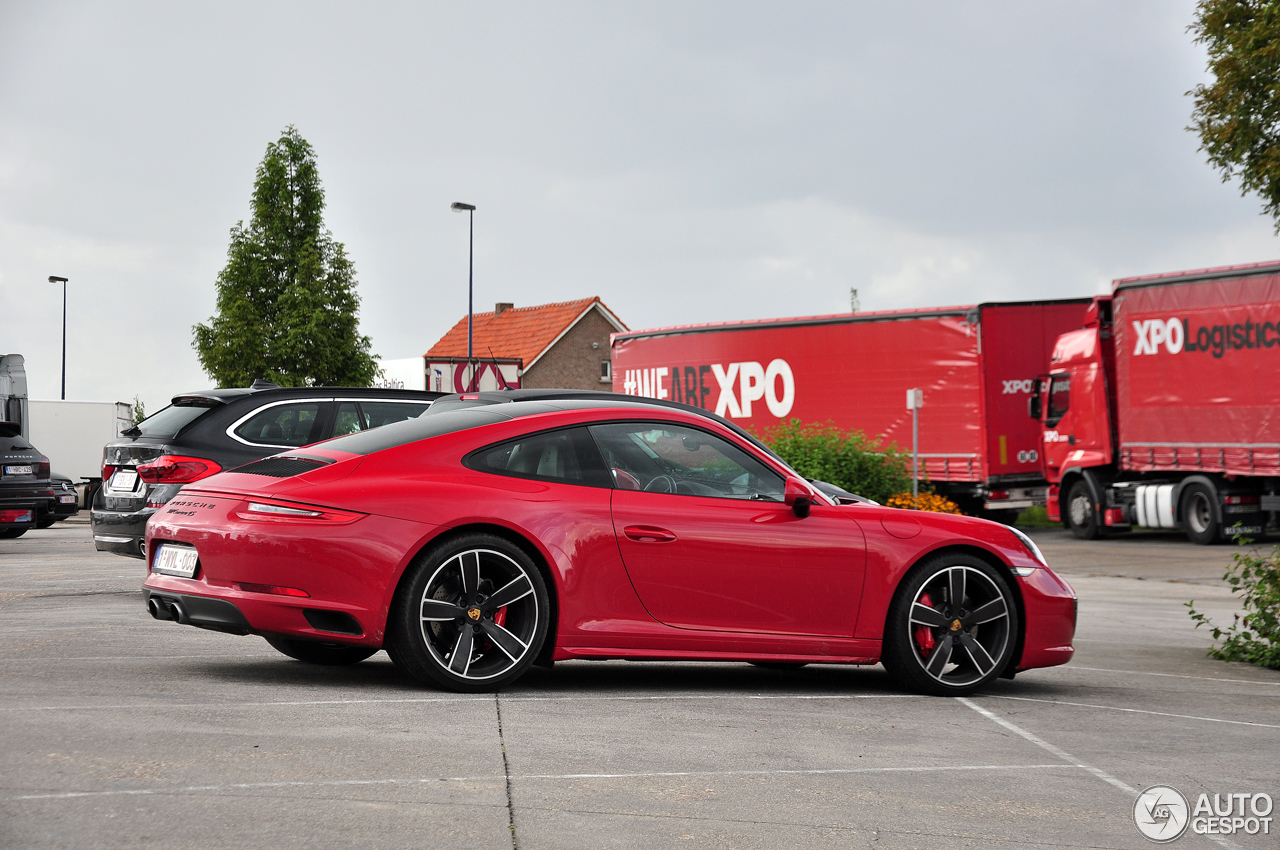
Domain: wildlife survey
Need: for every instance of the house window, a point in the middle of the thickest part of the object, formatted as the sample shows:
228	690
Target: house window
605	373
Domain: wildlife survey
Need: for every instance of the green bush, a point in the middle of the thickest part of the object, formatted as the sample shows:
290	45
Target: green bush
1255	635
847	459
1036	517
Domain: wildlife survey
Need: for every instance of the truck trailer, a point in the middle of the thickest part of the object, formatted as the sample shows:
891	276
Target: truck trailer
974	363
1163	410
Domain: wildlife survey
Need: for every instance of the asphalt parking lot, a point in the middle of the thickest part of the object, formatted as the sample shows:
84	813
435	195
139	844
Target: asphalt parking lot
121	731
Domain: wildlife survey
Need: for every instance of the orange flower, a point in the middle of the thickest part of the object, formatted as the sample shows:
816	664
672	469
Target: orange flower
924	502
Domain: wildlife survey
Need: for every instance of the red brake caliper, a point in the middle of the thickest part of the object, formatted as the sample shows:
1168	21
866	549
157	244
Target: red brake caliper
924	634
500	616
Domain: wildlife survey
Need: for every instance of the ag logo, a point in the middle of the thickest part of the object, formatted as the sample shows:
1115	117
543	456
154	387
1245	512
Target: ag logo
1161	813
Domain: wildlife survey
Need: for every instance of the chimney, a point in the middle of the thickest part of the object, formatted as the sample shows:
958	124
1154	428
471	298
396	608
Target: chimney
501	307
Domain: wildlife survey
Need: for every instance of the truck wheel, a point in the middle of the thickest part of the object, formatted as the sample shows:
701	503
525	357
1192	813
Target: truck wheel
1079	513
1197	514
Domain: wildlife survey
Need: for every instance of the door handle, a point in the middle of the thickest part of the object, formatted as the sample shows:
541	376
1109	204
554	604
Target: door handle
642	533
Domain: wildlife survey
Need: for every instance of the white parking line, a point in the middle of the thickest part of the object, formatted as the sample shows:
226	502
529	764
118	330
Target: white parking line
1067	757
1045	745
1069	667
137	657
498	778
1138	711
580	698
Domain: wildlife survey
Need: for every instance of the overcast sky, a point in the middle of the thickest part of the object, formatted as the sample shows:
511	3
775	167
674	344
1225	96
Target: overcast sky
687	162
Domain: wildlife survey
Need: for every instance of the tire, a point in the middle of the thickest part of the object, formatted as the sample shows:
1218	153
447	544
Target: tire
1197	514
318	652
472	616
11	533
933	648
1079	512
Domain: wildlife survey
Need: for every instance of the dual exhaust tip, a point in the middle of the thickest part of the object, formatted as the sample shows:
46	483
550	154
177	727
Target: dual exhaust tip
163	609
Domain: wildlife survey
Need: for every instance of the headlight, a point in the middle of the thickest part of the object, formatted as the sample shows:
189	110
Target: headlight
1029	545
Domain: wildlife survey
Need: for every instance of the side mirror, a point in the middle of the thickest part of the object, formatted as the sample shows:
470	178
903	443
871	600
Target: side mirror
798	498
1033	407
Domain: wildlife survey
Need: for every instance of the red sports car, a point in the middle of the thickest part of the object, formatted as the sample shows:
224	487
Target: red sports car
482	538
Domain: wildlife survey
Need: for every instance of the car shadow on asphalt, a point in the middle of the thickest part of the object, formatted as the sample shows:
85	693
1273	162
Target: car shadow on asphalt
615	678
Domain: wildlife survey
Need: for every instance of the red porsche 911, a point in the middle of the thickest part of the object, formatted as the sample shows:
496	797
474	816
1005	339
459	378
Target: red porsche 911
503	530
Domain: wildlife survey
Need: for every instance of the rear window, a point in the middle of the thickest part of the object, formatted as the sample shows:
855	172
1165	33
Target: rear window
379	413
567	456
172	419
413	430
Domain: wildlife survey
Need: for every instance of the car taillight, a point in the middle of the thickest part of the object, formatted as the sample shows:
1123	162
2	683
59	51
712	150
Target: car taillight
1240	500
42	470
176	469
107	471
998	494
271	511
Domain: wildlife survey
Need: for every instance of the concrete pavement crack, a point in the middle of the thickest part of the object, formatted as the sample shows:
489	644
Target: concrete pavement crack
506	770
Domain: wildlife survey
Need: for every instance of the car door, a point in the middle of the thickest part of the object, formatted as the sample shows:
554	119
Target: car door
709	543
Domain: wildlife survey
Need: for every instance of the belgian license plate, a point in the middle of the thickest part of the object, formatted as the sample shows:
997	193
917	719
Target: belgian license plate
18	470
66	500
124	480
175	561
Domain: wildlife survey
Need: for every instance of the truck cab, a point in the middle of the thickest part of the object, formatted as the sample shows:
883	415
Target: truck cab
1075	403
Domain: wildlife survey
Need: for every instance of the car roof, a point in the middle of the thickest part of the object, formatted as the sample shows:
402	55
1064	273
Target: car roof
265	389
593	398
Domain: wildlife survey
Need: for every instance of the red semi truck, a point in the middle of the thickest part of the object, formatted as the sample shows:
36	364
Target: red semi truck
974	364
1163	411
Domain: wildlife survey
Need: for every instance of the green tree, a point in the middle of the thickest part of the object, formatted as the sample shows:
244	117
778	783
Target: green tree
1237	116
287	303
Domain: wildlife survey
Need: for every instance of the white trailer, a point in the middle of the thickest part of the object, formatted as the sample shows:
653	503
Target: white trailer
72	433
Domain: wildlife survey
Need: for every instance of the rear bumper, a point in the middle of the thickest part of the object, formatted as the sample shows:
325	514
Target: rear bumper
21	499
1016	498
203	612
120	532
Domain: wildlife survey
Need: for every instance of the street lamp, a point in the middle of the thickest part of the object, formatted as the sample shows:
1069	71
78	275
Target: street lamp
458	206
62	280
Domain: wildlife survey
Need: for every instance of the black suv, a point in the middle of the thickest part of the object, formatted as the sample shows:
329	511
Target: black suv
203	433
25	491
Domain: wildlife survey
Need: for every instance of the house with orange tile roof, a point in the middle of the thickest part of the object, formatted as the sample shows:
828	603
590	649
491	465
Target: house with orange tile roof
562	345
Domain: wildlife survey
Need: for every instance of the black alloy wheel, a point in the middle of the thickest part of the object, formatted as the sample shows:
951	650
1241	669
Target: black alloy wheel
1079	512
1197	514
952	627
321	652
472	617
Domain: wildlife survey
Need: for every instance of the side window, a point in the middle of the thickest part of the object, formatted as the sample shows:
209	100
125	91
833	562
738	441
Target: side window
567	456
282	425
663	458
378	413
348	420
1059	398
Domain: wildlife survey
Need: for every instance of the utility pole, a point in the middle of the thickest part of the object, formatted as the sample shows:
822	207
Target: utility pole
915	401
